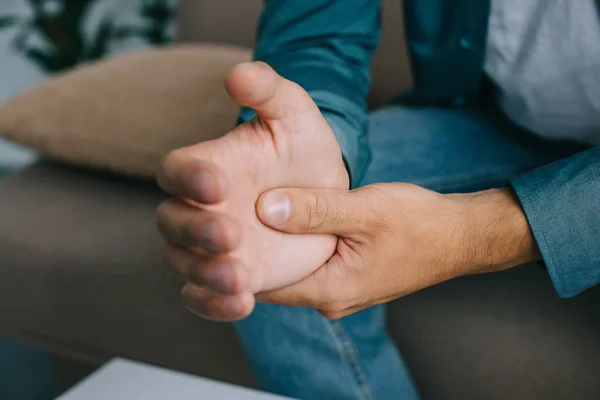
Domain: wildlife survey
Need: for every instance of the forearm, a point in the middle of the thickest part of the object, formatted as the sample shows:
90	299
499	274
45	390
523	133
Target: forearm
551	213
497	234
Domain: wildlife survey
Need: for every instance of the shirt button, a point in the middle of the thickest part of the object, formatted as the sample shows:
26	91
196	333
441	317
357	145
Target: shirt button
466	42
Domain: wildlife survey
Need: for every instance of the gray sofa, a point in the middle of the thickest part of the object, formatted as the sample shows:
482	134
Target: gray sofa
80	276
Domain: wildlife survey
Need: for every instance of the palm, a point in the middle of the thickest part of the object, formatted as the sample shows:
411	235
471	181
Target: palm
296	150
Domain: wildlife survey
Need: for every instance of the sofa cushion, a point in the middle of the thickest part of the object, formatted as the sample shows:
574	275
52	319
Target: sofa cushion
125	113
80	274
500	336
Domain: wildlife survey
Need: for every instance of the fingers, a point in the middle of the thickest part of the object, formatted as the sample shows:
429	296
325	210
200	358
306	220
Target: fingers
180	174
309	293
224	275
311	211
217	307
256	85
184	225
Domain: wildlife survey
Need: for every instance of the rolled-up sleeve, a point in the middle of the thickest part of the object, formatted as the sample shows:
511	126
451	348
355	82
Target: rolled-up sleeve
325	46
562	204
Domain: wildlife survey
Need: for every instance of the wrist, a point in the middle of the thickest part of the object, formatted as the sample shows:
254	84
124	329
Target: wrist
497	234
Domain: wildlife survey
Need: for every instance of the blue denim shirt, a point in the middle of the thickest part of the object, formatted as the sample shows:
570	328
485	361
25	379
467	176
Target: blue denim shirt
326	46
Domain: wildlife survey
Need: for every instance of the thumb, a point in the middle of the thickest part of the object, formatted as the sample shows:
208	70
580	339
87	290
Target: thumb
256	85
311	211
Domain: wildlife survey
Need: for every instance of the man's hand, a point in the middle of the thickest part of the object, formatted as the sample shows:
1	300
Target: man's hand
215	241
395	239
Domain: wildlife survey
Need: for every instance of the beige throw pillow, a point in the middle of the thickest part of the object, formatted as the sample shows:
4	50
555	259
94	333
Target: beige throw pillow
125	113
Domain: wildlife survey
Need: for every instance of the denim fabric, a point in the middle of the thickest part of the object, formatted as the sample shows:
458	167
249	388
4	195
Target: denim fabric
298	353
25	373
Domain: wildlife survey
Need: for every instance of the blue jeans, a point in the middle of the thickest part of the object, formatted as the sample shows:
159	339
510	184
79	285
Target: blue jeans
25	373
298	353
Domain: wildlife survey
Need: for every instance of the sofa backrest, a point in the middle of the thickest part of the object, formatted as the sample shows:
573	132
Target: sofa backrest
234	22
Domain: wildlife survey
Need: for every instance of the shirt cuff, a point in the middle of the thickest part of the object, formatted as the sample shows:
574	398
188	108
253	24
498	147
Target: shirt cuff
561	202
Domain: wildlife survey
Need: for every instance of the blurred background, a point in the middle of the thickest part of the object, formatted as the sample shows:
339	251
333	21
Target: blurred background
39	39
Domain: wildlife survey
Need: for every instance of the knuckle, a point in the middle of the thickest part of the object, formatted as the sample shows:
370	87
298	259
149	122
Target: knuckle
317	209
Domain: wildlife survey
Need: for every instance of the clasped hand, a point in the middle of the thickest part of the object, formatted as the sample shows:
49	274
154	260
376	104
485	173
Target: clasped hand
238	231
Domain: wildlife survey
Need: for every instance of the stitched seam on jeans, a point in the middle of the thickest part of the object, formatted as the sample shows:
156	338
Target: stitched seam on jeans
553	266
350	357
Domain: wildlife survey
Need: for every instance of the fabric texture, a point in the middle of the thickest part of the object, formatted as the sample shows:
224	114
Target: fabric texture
125	113
25	373
544	58
562	207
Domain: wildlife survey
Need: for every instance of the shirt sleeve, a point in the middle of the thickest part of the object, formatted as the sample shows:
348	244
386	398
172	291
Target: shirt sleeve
325	46
562	204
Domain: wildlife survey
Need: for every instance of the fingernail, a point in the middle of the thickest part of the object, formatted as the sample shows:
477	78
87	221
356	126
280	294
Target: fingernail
217	278
208	235
276	208
204	186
